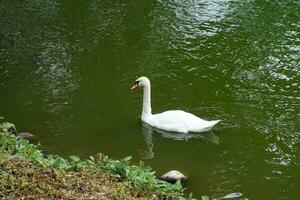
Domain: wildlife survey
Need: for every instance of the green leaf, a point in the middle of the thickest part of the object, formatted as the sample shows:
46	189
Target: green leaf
72	168
74	158
128	158
92	158
204	197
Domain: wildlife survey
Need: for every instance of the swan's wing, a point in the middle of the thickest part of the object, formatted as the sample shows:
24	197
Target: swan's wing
180	121
168	121
177	116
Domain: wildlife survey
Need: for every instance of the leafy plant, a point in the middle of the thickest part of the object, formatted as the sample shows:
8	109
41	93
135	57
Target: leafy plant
141	177
7	127
204	197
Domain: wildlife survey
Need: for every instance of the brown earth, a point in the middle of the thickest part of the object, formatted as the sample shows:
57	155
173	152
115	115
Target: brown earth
20	179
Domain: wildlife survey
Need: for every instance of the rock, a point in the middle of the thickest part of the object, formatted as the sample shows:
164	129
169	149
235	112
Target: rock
232	195
27	136
173	176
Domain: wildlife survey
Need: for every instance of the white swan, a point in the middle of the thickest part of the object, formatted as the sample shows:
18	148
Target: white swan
172	120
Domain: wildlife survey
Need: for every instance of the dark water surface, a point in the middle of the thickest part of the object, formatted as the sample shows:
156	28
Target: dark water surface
66	68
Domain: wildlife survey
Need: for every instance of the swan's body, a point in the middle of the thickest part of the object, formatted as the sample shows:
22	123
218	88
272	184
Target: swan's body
172	120
179	121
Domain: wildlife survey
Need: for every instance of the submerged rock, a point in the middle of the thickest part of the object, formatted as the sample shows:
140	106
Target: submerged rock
232	195
173	176
27	136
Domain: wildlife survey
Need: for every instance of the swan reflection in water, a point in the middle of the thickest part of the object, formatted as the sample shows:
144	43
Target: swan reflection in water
148	131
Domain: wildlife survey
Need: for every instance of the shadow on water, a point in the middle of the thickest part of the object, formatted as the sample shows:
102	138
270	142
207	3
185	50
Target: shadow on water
148	131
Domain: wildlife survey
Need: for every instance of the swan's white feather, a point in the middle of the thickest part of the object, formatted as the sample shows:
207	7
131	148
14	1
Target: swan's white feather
179	121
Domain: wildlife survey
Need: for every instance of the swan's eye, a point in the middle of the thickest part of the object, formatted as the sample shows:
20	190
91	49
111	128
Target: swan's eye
137	82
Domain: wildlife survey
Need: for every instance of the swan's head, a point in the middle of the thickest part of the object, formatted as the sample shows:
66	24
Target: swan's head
141	82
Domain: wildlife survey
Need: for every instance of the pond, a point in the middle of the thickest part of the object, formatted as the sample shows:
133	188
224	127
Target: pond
66	68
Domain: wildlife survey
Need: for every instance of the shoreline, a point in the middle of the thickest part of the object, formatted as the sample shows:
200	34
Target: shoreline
26	172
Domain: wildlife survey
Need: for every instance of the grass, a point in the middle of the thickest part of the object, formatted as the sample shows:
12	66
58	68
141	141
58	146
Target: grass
27	173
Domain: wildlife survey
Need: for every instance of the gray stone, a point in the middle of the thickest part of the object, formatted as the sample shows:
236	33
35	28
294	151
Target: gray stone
27	136
173	176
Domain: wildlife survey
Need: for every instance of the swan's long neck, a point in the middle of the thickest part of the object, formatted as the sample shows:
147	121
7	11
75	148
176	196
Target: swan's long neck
147	101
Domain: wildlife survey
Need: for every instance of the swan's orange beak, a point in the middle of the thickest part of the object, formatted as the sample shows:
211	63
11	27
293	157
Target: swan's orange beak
134	86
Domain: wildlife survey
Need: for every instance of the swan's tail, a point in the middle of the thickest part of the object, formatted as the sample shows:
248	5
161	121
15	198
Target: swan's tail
211	124
214	122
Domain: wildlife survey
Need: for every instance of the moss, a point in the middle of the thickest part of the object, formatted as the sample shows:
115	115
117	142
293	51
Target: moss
25	172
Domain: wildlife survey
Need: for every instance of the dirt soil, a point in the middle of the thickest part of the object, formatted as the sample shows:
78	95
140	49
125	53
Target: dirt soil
20	179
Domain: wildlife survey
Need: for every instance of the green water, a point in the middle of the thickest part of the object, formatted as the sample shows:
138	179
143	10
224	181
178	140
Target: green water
66	68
